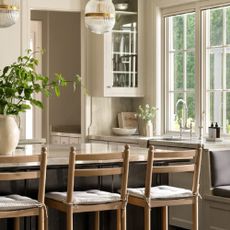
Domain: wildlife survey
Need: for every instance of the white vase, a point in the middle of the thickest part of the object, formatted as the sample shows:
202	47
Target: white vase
149	129
9	134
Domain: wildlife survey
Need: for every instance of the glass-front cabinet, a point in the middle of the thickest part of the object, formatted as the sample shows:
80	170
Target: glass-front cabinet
115	66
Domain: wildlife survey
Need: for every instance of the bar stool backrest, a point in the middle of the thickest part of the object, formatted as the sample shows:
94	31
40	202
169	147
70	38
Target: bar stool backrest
178	162
122	158
39	172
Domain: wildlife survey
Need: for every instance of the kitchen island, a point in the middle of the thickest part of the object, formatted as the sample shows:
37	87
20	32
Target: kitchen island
57	180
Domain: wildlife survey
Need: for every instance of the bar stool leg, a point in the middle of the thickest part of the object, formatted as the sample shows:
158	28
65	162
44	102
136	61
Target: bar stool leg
69	218
123	219
165	218
195	214
119	219
17	223
41	220
97	220
147	218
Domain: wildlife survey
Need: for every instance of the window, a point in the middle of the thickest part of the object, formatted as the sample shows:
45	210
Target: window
184	74
217	66
180	70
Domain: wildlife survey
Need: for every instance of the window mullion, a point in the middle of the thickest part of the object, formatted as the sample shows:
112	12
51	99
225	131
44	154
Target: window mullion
185	57
224	73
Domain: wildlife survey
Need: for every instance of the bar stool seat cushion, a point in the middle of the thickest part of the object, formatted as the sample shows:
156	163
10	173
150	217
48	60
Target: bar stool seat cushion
223	191
161	192
92	196
17	202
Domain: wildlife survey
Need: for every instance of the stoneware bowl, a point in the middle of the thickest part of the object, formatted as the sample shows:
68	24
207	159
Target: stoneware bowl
123	131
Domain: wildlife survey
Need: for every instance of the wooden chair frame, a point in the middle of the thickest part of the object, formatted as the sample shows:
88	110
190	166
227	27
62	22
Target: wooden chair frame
73	171
179	166
41	161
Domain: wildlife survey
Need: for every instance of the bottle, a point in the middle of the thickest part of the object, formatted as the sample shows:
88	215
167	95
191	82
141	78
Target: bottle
217	130
212	131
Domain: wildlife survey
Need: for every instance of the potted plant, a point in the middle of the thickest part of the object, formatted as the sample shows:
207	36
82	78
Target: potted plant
146	115
19	82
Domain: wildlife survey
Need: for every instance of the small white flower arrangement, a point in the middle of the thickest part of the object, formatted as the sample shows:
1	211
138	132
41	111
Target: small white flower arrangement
146	113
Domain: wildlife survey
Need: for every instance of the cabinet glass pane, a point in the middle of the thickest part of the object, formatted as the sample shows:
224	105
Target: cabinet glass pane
124	40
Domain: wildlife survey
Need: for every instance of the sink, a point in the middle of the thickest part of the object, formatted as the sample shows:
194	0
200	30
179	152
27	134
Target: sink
172	138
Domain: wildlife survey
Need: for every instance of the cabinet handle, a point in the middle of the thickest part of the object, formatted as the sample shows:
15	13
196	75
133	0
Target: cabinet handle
109	86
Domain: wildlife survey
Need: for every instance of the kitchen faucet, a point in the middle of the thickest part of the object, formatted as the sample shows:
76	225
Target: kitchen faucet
183	126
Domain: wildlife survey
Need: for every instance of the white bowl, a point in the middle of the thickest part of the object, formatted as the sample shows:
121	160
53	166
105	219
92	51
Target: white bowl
121	6
124	131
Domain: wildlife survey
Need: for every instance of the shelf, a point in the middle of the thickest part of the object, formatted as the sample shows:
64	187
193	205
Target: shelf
124	53
124	31
124	72
126	12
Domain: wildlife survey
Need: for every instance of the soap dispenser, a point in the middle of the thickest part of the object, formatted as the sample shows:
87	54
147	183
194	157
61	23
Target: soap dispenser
212	131
217	130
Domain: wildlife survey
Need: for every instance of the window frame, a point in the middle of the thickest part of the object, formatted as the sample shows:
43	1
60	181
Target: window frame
200	61
168	13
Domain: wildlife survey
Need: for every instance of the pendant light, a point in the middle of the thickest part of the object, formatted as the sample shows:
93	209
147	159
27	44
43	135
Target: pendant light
9	12
100	16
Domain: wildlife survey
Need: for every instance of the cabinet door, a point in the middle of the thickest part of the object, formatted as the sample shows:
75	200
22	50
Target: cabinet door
64	140
74	140
55	139
119	71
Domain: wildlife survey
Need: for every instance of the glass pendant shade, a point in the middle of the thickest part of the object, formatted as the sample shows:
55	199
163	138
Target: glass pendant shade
9	12
100	16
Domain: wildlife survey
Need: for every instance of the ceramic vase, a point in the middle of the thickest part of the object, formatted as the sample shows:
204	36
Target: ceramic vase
9	134
145	128
149	129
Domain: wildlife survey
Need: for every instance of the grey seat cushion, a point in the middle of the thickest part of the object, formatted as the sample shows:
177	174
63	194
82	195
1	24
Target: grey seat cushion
220	170
17	202
162	192
92	196
223	191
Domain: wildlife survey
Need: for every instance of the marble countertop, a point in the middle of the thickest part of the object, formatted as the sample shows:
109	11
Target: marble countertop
132	139
219	144
58	155
186	142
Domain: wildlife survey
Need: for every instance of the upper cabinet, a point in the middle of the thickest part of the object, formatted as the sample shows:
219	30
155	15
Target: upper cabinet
114	59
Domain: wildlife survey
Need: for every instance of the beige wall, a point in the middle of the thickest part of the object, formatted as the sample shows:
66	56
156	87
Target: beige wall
65	58
61	40
104	113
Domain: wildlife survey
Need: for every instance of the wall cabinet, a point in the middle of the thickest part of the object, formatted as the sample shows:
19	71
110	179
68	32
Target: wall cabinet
115	59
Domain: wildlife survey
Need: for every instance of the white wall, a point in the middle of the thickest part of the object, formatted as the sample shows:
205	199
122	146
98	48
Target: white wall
63	5
167	3
9	46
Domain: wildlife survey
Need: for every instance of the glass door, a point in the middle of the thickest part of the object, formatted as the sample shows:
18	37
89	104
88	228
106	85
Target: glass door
124	50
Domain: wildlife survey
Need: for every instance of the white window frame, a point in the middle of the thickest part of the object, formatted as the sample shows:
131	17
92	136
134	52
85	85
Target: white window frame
223	89
167	13
200	61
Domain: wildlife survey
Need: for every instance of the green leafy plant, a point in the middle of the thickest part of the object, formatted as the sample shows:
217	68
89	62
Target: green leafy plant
19	83
147	112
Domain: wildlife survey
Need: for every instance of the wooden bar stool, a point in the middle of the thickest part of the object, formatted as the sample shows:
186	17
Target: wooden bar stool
16	206
163	195
93	200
